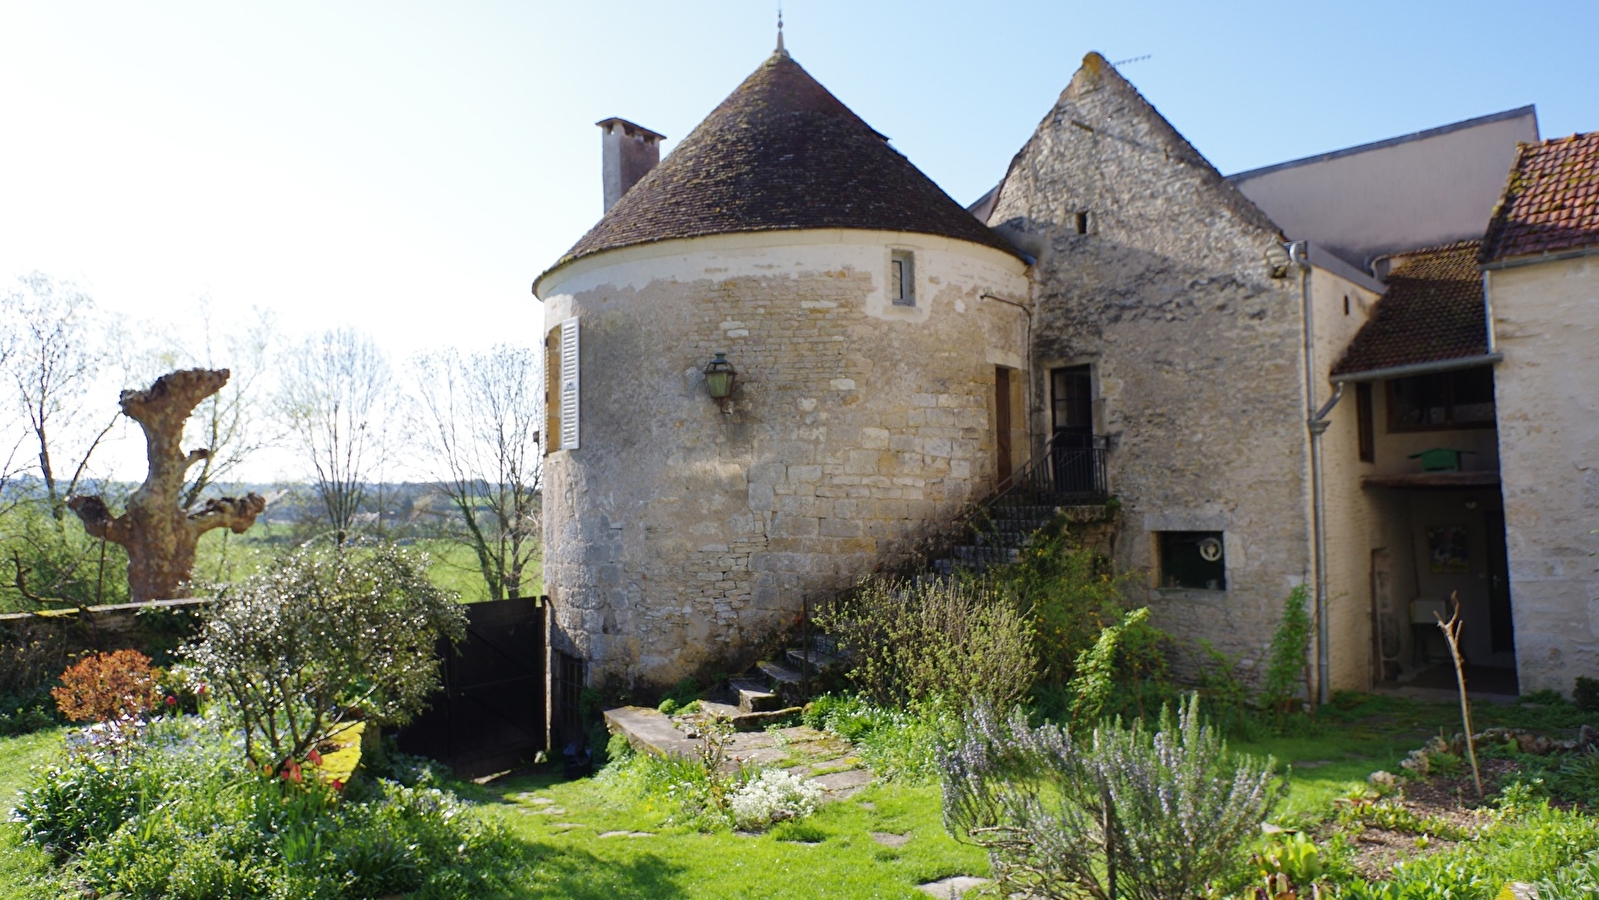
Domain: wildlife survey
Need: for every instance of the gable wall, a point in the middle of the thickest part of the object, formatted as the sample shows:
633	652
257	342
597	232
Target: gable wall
1197	350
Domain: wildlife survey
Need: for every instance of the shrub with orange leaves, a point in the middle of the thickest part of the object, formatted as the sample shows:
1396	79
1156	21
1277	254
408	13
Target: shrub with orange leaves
108	686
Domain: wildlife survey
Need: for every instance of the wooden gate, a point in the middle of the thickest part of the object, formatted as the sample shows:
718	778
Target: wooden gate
489	715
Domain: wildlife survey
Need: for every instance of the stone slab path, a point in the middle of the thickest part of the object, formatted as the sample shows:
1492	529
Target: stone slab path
823	759
951	888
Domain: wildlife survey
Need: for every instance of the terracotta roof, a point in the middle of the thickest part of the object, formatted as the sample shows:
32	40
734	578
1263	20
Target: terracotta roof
781	152
1432	311
1551	202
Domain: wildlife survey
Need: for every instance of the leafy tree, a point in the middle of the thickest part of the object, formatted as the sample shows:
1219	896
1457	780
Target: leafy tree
321	640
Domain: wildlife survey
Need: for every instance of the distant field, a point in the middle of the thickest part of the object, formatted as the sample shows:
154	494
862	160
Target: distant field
453	566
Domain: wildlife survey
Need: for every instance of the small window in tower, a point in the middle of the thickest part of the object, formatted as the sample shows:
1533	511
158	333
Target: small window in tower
902	277
1192	559
1080	222
1346	304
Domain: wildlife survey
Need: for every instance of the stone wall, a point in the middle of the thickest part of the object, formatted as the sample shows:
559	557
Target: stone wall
677	535
37	647
1197	351
1546	321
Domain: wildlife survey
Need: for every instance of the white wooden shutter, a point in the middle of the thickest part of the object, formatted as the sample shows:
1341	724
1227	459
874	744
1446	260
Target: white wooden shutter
569	385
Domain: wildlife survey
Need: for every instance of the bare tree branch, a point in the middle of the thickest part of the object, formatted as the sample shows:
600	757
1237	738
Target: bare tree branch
483	418
337	400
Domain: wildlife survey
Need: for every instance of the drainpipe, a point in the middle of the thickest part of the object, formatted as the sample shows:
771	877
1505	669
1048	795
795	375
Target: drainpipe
1299	252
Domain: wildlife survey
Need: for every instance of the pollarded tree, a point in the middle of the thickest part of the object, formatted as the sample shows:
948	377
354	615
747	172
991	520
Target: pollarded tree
159	535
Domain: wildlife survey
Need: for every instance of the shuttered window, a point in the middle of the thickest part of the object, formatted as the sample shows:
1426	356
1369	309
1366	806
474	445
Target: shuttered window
561	390
569	385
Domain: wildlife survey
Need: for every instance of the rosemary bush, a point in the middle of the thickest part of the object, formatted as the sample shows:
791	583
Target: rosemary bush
1124	813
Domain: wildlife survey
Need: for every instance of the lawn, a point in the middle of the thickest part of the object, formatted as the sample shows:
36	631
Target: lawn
222	556
561	823
19	862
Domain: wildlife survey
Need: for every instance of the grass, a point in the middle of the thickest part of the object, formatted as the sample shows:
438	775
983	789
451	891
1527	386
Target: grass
19	863
222	556
831	855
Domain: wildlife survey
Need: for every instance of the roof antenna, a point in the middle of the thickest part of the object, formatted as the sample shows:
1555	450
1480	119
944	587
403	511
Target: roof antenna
780	30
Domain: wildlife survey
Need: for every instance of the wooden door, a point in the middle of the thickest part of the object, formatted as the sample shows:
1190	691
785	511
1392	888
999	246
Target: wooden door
1002	447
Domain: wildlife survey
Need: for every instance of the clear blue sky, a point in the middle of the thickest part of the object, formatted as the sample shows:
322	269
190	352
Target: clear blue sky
411	167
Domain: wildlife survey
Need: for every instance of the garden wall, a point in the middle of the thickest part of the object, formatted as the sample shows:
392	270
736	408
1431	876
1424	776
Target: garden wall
36	647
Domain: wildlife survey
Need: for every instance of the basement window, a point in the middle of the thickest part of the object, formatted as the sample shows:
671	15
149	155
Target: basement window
902	277
1192	559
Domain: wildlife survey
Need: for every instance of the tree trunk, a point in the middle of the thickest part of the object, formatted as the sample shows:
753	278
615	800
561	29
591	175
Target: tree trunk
159	535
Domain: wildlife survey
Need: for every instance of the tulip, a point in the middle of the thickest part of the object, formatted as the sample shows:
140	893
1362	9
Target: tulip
171	700
314	757
338	785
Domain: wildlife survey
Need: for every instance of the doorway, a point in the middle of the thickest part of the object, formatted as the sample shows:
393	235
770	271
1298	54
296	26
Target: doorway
1002	415
1075	457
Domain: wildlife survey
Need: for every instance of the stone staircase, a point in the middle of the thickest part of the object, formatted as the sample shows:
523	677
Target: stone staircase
776	688
1066	483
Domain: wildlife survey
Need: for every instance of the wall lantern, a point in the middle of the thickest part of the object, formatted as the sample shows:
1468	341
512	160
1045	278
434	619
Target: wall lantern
719	377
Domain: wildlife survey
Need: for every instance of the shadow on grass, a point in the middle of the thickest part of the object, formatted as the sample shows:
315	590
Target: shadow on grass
569	872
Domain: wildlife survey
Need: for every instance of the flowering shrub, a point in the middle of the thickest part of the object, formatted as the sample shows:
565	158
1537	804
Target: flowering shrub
320	641
773	796
106	687
174	816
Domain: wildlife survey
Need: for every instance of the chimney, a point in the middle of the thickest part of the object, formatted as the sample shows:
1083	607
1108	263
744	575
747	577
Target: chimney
630	152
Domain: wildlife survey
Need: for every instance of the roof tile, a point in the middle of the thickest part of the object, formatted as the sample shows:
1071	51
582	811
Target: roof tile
781	152
1432	311
1551	202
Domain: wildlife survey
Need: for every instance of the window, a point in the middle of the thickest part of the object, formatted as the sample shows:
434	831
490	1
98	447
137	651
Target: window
1463	399
1080	222
561	387
902	277
1192	559
1364	424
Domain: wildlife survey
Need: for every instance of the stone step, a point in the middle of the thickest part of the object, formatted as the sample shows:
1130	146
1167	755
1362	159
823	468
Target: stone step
753	694
780	674
743	719
819	660
1008	539
969	555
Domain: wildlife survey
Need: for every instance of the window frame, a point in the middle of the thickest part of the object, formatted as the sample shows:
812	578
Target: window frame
1390	387
904	261
1163	558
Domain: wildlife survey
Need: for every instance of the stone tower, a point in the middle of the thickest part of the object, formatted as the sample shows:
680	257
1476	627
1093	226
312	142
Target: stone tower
879	340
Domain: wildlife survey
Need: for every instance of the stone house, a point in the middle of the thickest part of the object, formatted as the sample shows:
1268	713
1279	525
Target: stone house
898	357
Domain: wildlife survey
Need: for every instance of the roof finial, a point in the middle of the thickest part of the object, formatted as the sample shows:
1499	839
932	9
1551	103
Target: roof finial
780	30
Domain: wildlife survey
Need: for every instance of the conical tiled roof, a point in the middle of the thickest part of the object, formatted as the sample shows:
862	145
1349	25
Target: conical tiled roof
781	152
